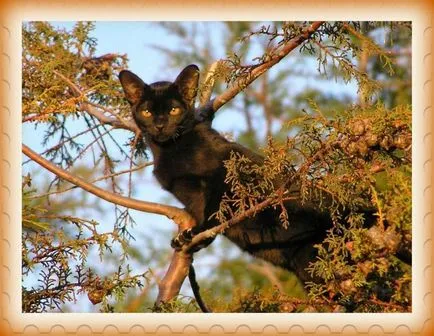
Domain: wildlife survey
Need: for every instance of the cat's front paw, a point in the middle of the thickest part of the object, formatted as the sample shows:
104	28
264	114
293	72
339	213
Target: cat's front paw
183	238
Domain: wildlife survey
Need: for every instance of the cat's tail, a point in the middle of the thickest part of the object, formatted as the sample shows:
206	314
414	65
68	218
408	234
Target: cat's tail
196	290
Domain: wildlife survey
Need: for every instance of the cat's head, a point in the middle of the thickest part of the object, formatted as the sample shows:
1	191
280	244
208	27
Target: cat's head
162	110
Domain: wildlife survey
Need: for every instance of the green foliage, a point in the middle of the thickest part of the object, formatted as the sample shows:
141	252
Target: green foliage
47	52
30	211
60	74
180	304
259	302
339	162
61	263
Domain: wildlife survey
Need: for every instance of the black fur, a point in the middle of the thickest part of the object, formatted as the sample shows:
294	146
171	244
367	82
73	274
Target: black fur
188	160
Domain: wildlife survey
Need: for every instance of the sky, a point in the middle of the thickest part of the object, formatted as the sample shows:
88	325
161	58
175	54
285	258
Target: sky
135	39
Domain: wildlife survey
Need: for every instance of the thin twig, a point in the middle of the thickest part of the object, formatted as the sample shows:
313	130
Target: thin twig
176	214
223	226
91	109
60	144
96	180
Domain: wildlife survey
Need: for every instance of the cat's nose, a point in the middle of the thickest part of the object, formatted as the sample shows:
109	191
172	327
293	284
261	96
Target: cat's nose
159	127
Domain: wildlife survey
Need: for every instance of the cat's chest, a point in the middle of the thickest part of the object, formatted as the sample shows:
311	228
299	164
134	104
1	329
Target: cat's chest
189	158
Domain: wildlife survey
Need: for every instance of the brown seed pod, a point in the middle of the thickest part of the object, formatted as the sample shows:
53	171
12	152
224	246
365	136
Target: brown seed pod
382	262
96	296
357	127
362	148
350	246
401	141
376	236
352	148
368	124
398	124
391	240
365	267
371	139
376	167
287	307
386	142
347	286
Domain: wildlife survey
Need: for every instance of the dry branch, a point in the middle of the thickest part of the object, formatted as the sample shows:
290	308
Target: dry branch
223	226
169	286
208	83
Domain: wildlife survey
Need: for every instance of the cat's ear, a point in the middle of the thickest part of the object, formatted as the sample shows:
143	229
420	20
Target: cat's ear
187	83
133	86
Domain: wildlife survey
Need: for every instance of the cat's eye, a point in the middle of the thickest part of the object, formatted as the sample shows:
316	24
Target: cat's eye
145	113
175	111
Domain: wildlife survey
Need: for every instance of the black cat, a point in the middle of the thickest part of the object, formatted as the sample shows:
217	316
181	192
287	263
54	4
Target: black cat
189	162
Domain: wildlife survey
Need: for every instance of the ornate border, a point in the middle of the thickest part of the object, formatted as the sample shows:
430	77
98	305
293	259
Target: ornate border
14	322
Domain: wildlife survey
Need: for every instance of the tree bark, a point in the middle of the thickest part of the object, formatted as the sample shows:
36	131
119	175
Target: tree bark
170	285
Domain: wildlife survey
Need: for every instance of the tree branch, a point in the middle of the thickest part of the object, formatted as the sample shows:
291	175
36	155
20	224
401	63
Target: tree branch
208	83
94	111
212	232
170	285
209	108
182	260
179	216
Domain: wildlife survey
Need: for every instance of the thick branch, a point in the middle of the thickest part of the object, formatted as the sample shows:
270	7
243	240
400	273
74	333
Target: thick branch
172	281
178	215
212	106
208	83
